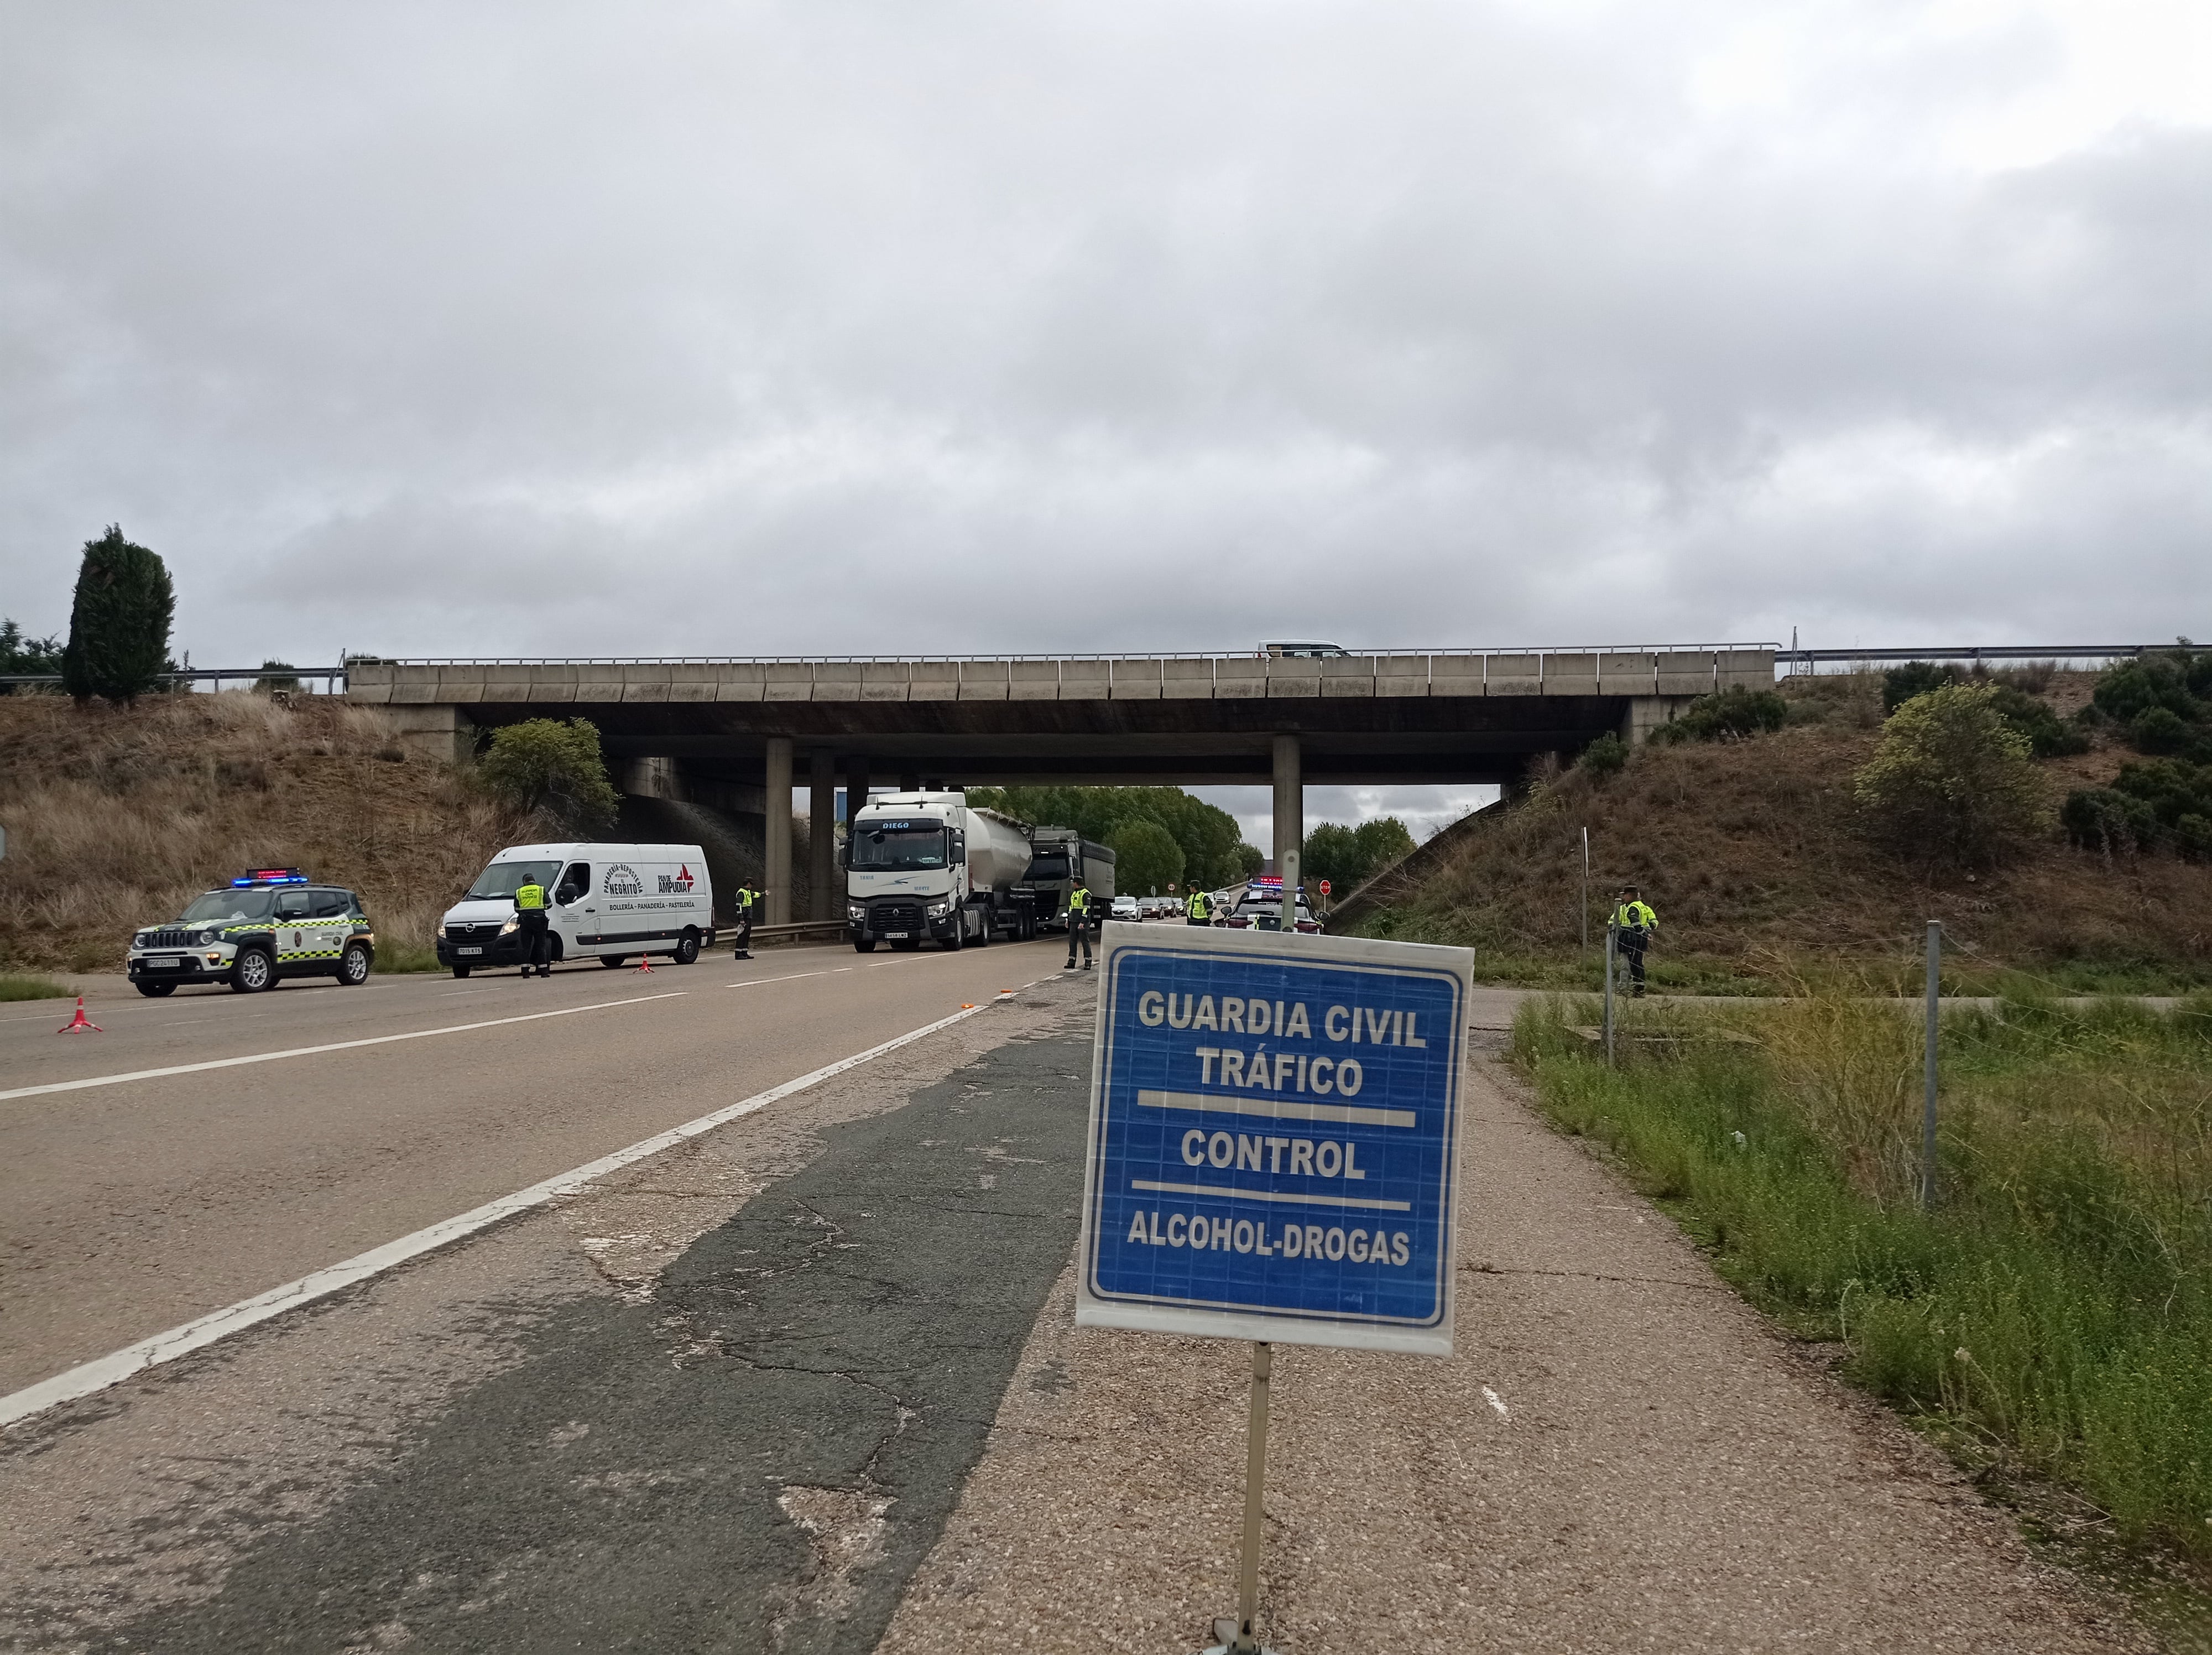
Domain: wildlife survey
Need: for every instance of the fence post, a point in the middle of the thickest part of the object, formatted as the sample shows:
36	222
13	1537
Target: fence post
1928	1101
1611	928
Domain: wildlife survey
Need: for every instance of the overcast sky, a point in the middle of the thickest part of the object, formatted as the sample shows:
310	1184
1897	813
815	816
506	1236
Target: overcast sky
539	329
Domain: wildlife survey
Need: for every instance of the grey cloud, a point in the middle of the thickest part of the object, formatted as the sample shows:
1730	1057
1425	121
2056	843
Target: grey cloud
1007	327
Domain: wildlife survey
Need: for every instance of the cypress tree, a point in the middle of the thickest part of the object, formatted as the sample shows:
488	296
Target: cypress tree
118	641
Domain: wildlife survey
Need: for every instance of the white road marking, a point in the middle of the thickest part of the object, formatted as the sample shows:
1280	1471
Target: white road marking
1491	1396
754	982
89	1376
310	1052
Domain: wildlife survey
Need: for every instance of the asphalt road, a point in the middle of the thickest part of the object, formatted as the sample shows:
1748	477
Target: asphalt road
129	1208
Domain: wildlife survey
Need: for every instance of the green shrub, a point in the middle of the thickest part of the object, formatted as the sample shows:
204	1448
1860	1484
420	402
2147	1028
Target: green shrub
276	675
32	988
1606	756
118	641
1731	715
1952	782
2107	820
2048	735
1916	678
544	764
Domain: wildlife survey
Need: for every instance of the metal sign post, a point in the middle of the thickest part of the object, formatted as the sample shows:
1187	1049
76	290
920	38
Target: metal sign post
1927	1103
1612	940
1274	1128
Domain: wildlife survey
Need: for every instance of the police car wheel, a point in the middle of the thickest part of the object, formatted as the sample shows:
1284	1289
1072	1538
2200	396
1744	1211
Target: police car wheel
687	949
353	967
253	972
155	990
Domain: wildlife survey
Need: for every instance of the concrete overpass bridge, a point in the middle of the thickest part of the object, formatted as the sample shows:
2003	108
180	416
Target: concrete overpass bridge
734	734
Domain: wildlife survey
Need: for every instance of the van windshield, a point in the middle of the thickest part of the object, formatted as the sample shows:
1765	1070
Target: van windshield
907	846
224	905
502	878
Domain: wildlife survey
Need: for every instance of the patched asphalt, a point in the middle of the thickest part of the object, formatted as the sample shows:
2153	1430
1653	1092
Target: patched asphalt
755	1458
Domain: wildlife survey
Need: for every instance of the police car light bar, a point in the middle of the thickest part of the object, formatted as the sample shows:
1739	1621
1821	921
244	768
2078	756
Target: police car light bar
269	876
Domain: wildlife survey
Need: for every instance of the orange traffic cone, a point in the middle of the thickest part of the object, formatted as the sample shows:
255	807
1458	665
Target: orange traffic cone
645	962
79	1024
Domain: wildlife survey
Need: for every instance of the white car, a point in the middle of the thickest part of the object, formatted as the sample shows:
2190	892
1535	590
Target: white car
1125	908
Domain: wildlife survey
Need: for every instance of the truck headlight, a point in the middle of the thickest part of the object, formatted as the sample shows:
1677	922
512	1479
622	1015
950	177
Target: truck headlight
855	910
938	910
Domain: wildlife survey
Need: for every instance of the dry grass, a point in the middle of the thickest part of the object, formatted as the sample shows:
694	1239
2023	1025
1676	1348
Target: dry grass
119	816
1751	851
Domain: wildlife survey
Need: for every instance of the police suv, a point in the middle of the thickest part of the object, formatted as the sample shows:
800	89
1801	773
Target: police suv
273	923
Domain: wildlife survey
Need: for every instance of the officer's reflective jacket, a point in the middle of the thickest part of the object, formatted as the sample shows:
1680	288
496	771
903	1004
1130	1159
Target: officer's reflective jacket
1196	907
1636	916
529	895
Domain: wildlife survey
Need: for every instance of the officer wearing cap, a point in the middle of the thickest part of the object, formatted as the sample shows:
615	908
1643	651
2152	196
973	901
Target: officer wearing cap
537	935
1078	925
746	897
1634	922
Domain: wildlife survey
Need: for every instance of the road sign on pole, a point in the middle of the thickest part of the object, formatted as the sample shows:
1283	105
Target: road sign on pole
1324	887
1275	1126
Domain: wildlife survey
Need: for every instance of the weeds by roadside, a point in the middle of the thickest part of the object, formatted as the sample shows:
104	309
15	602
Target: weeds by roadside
2056	1309
32	988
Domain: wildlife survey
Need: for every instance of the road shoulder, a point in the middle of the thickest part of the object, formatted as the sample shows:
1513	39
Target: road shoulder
1622	1455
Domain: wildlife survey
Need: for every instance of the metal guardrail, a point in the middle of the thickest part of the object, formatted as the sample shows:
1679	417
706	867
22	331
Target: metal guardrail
795	931
1976	652
1362	654
330	675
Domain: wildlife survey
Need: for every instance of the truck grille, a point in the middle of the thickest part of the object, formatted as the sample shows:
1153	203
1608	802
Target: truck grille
897	916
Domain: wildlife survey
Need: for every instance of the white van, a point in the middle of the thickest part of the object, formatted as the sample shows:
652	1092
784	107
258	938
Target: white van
611	902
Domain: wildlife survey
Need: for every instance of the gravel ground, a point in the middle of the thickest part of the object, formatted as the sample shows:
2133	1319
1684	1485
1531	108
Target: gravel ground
1621	1456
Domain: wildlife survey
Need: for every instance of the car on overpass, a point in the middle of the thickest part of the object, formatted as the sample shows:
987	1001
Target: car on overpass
1302	648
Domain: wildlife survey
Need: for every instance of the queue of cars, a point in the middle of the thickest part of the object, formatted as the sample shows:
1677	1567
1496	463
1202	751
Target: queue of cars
1258	907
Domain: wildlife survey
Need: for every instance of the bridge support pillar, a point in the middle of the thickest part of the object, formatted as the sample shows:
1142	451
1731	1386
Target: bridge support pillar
856	785
1290	799
822	835
440	731
1647	713
776	852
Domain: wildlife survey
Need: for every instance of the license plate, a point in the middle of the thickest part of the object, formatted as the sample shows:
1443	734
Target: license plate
468	951
165	965
897	936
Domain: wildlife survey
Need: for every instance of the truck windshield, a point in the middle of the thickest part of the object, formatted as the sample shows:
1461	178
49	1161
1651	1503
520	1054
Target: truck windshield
501	880
221	905
1047	867
911	845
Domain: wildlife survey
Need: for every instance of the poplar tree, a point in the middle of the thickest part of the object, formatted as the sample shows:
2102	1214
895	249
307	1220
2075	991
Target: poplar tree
119	638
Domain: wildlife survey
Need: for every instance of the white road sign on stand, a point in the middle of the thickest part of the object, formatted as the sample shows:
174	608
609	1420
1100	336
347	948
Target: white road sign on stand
1274	1127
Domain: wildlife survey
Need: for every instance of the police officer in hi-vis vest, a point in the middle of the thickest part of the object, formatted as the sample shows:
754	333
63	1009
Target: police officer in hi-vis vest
1200	910
537	936
1078	925
1634	923
746	897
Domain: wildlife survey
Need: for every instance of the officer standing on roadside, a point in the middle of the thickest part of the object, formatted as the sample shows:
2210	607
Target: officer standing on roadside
1200	910
536	937
746	897
1634	925
1079	924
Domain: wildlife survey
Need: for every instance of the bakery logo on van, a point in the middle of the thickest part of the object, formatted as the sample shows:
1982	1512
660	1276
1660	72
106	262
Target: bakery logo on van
622	881
676	884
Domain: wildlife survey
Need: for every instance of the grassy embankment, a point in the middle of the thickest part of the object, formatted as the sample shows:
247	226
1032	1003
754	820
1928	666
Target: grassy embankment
117	816
1753	853
14	986
2052	1318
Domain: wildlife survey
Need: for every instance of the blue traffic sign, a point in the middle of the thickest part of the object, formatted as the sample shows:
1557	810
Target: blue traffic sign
1274	1127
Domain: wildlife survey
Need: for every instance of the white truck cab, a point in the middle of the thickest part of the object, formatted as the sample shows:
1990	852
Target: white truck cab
925	866
611	901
